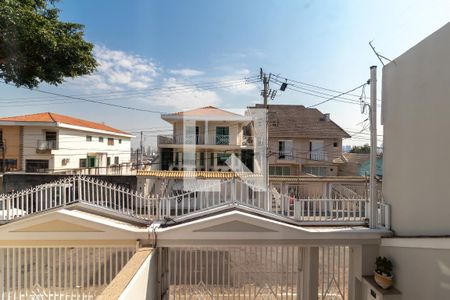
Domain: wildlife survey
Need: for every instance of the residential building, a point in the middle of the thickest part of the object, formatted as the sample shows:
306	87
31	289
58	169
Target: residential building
50	141
204	138
415	115
303	141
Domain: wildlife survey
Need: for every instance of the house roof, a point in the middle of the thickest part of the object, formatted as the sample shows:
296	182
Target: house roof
301	122
207	112
49	117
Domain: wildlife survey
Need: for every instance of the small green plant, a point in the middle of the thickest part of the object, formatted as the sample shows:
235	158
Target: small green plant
383	266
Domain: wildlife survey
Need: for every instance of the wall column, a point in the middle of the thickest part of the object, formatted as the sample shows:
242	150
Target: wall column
310	284
206	138
361	263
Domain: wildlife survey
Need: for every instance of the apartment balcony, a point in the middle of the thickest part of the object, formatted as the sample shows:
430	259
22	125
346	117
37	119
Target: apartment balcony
203	140
321	156
46	147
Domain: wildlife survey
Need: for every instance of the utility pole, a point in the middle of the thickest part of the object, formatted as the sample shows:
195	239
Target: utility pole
265	94
141	159
373	148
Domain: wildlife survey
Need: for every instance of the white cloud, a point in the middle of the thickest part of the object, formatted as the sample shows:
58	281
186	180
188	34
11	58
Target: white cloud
187	96
118	70
187	72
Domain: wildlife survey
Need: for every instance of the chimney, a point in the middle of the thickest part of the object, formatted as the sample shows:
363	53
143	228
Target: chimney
326	117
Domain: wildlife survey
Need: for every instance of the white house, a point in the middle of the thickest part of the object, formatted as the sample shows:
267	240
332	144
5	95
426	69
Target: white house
49	141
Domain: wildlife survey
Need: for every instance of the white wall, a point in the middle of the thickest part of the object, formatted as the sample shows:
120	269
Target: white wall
420	273
143	284
416	116
72	145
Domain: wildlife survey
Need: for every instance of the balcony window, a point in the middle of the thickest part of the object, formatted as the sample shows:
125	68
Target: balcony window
108	161
222	158
89	138
279	170
116	160
318	171
120	141
202	158
285	149
191	135
83	162
110	142
100	139
222	135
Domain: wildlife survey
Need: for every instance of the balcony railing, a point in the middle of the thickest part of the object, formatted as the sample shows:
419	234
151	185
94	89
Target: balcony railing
212	139
235	192
46	145
318	155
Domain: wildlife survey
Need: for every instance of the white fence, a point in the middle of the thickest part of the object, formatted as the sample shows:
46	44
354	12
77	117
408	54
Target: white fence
59	272
233	192
76	189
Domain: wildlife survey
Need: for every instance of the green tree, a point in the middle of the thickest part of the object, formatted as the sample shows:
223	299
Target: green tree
36	47
360	149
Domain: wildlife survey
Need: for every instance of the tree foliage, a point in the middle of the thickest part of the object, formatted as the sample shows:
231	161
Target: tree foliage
360	149
37	47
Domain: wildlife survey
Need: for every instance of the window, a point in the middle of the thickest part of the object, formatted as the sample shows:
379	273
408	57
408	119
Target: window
335	144
83	162
279	170
120	141
108	161
89	138
100	139
222	158
202	158
318	171
50	136
116	160
110	142
8	164
285	149
211	159
222	135
1	140
36	165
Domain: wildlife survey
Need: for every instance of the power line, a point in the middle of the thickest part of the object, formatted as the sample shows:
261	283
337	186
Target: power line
334	97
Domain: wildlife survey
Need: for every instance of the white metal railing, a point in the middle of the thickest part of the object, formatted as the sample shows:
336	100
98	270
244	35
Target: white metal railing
234	192
77	189
120	169
287	155
201	139
238	192
59	272
318	155
46	145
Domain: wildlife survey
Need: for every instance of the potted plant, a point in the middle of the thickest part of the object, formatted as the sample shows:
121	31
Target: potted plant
383	272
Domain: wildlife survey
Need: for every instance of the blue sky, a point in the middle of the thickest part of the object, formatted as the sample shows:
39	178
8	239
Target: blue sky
146	47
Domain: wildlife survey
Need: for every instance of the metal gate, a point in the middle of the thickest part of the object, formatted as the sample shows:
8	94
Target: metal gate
235	272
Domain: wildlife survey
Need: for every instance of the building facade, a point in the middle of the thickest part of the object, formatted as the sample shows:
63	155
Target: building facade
303	141
49	141
203	139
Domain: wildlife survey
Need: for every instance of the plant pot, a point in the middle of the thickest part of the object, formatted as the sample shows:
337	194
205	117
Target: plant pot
383	281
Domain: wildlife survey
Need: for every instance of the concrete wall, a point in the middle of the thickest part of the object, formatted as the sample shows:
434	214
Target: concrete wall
18	182
11	137
416	117
420	273
144	283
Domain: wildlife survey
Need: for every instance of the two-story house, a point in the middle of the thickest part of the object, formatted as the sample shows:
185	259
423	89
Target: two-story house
49	141
303	141
203	139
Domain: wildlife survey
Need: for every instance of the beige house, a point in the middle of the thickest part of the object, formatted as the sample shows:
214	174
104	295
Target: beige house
203	139
303	141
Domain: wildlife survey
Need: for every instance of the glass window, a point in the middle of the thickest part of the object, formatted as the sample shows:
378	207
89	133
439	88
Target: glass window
116	160
222	135
110	142
285	149
100	139
108	161
83	163
318	171
222	158
202	158
50	136
89	138
280	170
120	141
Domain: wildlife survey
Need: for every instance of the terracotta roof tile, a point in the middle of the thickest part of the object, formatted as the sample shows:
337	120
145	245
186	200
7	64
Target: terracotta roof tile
49	117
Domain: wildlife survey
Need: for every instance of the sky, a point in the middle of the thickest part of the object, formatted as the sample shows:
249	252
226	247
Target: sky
167	56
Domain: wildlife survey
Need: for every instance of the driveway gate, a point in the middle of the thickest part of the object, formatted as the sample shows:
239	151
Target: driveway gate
262	272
